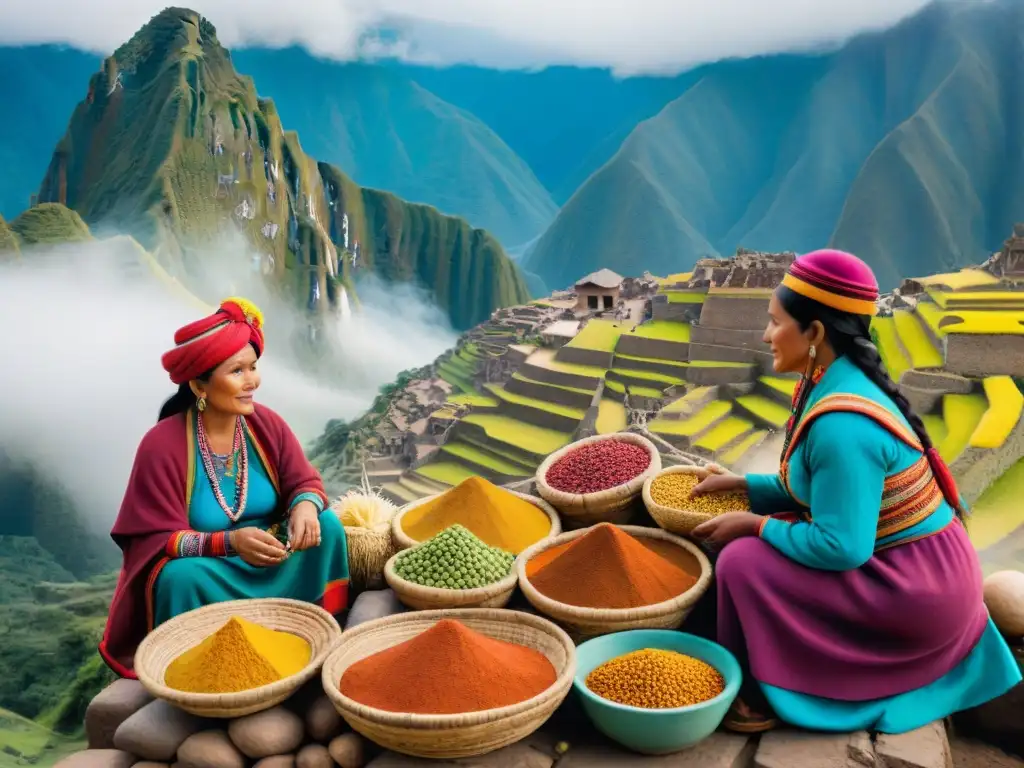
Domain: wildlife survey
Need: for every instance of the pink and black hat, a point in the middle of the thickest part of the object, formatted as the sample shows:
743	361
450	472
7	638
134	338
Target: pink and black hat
836	279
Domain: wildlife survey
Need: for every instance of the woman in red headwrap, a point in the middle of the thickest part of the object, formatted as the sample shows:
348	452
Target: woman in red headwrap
852	594
218	486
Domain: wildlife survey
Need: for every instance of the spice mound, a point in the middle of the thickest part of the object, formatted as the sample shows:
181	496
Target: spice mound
237	657
454	559
607	568
499	518
656	679
673	490
598	466
449	669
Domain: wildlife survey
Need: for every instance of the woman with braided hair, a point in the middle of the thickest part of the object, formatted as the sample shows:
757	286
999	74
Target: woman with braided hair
851	594
213	482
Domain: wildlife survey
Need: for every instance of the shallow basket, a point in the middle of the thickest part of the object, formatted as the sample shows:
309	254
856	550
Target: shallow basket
451	736
613	505
582	623
368	553
403	541
171	639
420	598
678	521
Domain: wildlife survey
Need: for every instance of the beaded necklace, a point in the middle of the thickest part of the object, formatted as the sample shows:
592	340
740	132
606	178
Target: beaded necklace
240	449
800	395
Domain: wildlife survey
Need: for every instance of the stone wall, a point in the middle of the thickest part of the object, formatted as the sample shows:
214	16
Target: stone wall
538	417
663	309
477	434
585	357
977	468
985	354
722	354
938	381
638	346
551	376
736	312
728	337
549	394
707	376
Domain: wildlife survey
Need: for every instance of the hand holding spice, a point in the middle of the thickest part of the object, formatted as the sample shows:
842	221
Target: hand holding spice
681	490
719	480
656	679
719	531
598	466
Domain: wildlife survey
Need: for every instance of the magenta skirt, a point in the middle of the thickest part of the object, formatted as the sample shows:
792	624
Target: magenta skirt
899	622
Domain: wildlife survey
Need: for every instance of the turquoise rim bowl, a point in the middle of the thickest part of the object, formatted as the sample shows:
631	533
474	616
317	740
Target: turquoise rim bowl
655	731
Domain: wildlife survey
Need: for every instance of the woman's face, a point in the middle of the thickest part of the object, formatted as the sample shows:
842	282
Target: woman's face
790	345
231	387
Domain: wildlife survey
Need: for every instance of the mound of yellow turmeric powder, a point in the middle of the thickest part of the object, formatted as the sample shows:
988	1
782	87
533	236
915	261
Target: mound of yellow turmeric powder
495	516
237	657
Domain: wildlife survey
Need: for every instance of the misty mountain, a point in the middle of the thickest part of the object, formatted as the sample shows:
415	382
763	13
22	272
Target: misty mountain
904	147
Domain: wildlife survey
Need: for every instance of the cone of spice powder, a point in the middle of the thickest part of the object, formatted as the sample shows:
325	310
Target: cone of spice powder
449	669
606	568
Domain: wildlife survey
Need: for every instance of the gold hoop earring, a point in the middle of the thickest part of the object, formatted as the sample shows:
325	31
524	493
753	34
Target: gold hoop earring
201	404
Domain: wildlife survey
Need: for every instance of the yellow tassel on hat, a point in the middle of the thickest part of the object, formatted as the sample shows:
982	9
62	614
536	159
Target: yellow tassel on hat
252	313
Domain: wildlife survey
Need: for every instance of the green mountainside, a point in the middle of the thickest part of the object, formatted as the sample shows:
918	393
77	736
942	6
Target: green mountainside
170	143
49	224
902	147
8	240
388	132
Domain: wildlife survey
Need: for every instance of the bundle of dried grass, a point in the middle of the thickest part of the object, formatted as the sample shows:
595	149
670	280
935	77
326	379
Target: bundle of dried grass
366	515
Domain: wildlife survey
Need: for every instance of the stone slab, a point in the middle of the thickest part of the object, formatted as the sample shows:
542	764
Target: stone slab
720	750
98	758
111	707
801	749
156	731
926	747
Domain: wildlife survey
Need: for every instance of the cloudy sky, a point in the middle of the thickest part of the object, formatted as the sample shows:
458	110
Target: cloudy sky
629	36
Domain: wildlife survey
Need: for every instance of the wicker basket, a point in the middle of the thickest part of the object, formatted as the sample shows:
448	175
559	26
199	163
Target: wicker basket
419	598
678	521
451	736
172	638
614	505
368	553
583	623
403	541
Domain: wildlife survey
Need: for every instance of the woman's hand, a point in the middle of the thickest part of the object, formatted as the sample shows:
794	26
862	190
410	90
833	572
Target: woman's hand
257	547
719	531
719	480
304	526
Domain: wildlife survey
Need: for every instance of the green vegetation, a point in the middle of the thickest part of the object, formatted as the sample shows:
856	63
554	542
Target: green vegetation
1005	403
611	417
772	412
965	278
651	376
998	512
481	401
484	459
994	299
685	297
579	390
8	240
922	350
698	422
599	335
980	322
780	384
50	224
628	359
542	405
664	330
545	358
447	472
618	387
519	434
935	426
687	402
723	433
961	414
741	448
887	339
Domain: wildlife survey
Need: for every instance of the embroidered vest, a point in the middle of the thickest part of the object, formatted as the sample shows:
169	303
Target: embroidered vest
908	497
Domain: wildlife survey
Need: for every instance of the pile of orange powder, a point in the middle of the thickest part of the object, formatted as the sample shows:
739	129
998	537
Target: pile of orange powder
608	568
448	669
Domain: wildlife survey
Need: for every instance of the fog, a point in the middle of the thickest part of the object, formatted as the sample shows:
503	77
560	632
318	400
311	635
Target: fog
80	346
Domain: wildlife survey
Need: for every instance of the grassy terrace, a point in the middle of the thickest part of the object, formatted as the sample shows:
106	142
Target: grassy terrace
739	450
520	377
510	457
675	279
599	335
723	433
971	321
664	330
529	402
620	388
780	384
480	457
545	358
652	376
473	399
447	472
895	359
687	402
627	359
935	427
685	297
993	299
961	413
700	421
763	408
1005	402
965	278
998	512
518	434
923	353
611	417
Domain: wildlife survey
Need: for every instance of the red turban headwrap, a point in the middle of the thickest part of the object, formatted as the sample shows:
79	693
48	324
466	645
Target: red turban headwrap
205	344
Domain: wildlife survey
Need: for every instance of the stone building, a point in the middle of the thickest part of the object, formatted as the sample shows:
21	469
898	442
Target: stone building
598	291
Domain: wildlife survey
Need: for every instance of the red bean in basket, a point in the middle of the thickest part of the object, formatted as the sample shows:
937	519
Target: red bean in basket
598	466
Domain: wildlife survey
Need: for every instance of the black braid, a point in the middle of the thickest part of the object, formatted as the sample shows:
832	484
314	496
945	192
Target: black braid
850	337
